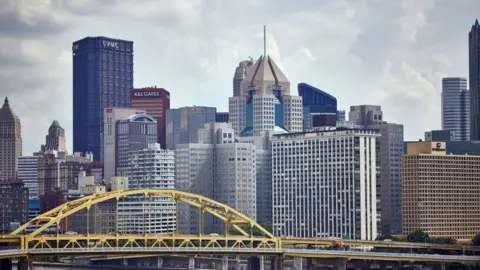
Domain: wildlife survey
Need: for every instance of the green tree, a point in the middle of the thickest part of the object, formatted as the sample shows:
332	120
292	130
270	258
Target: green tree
443	240
476	240
383	237
418	236
266	225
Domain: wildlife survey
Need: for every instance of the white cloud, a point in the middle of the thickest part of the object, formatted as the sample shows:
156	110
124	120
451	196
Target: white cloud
390	53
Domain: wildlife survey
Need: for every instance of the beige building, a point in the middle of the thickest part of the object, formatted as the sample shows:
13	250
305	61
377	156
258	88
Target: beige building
10	142
441	193
55	139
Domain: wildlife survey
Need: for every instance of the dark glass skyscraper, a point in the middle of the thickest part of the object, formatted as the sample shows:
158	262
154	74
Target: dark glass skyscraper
102	78
315	102
474	66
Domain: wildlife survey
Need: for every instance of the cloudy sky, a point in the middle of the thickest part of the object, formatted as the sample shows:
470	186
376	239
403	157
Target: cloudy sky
387	52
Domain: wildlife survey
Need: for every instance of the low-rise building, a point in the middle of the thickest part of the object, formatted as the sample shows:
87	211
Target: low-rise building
441	192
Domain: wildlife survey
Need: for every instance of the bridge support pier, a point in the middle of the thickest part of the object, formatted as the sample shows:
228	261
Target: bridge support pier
159	262
442	266
341	264
297	263
191	263
6	264
253	263
276	263
24	264
125	262
225	263
310	264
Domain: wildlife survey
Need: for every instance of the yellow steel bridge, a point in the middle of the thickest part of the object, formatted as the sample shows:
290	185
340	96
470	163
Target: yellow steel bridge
36	243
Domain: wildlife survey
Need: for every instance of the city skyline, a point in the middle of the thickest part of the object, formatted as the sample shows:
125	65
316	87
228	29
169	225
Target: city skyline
405	66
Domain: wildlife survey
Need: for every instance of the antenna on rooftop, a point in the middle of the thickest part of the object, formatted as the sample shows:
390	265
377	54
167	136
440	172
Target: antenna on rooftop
264	41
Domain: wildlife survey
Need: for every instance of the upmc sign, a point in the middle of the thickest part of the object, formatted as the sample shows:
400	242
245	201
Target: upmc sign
146	94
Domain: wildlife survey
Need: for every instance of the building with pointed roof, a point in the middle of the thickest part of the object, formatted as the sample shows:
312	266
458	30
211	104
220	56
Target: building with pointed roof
265	103
55	139
10	142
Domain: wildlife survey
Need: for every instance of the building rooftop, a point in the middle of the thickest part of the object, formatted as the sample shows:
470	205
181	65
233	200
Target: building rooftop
55	124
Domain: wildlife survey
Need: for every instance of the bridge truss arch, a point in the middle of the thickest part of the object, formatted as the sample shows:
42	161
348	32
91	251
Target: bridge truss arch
232	219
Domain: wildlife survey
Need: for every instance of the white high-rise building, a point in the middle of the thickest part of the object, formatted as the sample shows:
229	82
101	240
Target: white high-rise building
27	172
108	145
151	168
456	107
217	168
324	184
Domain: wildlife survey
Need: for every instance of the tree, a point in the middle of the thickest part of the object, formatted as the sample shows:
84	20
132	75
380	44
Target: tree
476	240
418	236
383	237
443	240
256	232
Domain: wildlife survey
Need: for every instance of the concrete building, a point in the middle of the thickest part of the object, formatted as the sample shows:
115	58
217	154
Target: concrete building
454	147
265	103
218	168
156	102
240	74
109	146
456	107
474	80
58	171
13	204
441	192
183	124
55	139
10	142
134	133
324	184
28	174
389	185
102	78
150	168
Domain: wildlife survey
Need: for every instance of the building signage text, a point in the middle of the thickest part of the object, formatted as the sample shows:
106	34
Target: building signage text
146	94
438	147
110	44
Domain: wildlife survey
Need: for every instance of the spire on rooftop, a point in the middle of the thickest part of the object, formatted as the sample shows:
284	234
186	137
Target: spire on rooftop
6	100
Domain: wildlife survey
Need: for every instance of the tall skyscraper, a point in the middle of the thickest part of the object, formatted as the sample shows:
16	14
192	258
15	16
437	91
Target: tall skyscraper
265	103
155	101
183	124
317	191
456	107
389	180
474	77
55	139
241	72
10	142
150	168
135	132
219	168
28	173
109	146
316	103
102	78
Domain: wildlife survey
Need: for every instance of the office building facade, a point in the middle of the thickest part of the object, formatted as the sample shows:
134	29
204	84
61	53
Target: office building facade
240	74
55	139
150	168
155	101
389	181
218	168
134	133
13	203
441	192
183	124
474	80
316	103
221	117
265	103
102	78
456	107
10	142
324	184
109	146
28	174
